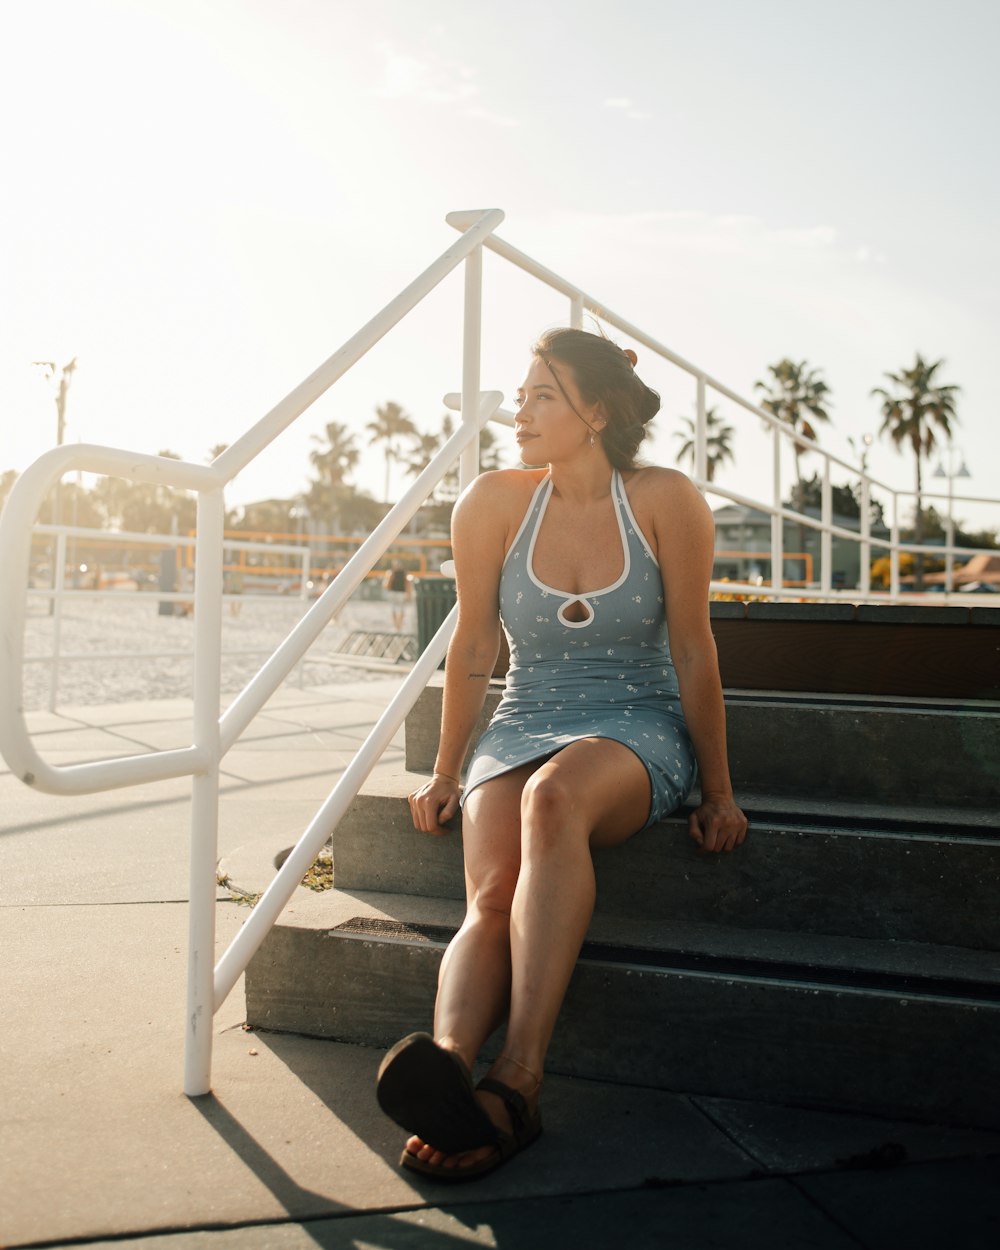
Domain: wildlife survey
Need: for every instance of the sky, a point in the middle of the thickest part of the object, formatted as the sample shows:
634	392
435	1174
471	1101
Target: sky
202	202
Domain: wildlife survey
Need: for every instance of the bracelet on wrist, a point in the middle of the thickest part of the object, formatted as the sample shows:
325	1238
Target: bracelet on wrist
447	777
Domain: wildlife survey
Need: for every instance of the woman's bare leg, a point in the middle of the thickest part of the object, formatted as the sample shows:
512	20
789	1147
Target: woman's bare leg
474	979
592	793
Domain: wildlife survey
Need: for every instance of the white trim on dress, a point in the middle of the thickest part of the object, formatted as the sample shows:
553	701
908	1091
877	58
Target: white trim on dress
583	597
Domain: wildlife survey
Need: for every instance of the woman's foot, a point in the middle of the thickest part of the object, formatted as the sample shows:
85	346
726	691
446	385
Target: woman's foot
514	1076
427	1089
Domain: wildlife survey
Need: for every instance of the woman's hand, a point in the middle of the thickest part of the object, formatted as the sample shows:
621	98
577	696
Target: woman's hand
718	824
434	803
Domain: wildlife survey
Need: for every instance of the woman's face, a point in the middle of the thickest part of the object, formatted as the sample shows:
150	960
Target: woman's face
547	428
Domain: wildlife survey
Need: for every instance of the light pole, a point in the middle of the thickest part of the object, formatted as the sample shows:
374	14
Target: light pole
950	473
300	516
864	511
866	445
65	377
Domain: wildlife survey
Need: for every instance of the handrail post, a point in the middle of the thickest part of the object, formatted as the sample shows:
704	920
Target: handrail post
777	523
58	587
894	549
576	312
701	437
468	468
204	794
826	537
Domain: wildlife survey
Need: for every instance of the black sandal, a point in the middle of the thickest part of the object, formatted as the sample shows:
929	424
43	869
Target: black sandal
428	1091
525	1125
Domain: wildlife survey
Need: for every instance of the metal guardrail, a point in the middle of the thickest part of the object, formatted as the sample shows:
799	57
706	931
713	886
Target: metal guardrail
581	302
214	734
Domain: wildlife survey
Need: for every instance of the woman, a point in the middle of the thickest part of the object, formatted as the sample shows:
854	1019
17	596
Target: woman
599	734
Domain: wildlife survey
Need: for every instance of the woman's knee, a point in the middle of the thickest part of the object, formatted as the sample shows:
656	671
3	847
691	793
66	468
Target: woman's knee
551	808
490	901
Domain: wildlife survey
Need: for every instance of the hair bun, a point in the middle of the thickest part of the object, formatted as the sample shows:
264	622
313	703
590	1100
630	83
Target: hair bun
650	404
633	359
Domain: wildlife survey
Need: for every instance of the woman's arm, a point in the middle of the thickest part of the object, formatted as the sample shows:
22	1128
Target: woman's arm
686	546
478	539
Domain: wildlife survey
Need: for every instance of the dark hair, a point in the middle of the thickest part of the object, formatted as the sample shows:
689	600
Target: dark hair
605	375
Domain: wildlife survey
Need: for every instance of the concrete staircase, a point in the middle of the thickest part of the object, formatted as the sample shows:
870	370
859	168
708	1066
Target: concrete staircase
846	956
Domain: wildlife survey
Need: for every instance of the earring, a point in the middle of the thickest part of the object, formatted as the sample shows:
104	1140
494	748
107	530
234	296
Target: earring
592	438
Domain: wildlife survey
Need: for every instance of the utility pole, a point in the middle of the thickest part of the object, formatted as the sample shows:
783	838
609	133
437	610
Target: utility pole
65	375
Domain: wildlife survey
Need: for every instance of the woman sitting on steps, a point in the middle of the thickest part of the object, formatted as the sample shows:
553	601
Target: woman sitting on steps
613	703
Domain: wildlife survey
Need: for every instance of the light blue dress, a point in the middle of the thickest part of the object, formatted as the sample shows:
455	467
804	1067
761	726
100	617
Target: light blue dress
607	676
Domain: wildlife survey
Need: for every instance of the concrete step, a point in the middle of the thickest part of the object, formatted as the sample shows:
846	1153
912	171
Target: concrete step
846	747
849	1024
914	875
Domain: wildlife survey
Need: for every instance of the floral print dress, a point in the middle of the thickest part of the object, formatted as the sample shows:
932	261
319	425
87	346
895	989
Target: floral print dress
607	676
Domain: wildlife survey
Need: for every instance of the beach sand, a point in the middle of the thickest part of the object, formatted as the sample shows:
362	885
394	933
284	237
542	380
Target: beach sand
96	627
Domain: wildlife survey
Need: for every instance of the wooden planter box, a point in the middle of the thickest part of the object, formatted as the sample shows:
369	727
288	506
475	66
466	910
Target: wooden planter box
871	649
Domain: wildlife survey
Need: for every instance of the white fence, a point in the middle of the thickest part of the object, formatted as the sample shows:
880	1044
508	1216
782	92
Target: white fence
61	593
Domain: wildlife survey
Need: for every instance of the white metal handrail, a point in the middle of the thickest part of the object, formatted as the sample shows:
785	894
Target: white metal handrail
780	512
253	697
214	734
581	302
25	499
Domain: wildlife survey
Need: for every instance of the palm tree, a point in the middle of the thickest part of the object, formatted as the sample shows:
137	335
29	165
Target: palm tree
447	490
717	442
910	417
425	446
490	455
337	454
792	392
334	458
391	425
422	451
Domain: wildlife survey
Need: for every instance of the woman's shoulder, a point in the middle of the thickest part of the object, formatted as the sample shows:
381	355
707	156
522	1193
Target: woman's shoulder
657	486
489	511
505	480
664	500
502	488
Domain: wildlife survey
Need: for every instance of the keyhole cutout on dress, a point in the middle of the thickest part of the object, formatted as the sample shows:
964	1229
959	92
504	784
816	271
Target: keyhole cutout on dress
576	612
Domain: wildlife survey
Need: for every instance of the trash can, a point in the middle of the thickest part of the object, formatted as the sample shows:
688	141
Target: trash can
435	598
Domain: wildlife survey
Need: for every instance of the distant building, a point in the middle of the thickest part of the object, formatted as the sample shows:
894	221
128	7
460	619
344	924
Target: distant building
743	547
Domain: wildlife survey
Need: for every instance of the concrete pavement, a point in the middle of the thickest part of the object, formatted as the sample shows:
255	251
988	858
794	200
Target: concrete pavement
99	1146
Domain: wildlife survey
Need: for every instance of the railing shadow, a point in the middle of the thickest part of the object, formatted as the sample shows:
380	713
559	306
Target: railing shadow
327	1221
298	1201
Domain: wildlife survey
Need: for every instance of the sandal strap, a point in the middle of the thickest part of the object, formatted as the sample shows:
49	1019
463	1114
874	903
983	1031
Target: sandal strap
514	1101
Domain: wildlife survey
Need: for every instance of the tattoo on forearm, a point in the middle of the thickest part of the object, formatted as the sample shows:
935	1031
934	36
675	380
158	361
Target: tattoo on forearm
471	675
